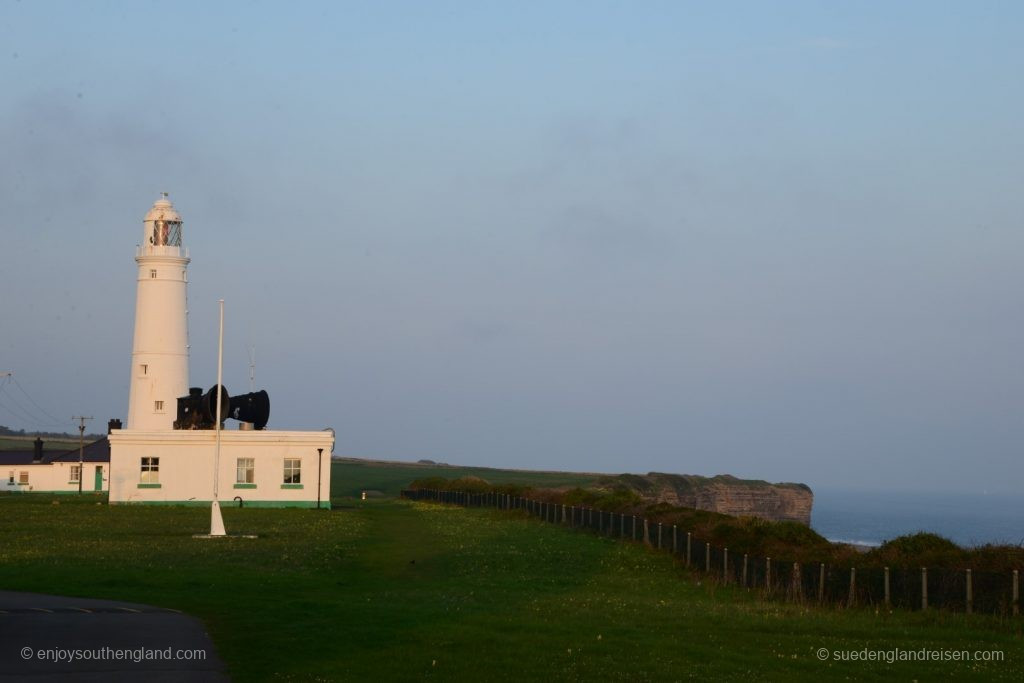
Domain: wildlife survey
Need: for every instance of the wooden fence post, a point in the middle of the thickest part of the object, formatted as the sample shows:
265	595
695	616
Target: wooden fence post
707	557
887	594
821	583
796	583
659	535
675	540
924	587
970	594
688	539
725	565
768	574
633	533
744	580
853	587
647	533
1015	593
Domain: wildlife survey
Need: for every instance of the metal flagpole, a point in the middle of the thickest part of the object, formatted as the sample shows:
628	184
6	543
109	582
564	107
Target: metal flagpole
216	520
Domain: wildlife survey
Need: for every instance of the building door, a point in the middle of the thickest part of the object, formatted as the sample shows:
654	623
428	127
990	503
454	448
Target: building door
98	481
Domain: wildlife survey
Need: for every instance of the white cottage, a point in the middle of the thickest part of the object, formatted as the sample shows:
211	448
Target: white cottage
64	471
166	453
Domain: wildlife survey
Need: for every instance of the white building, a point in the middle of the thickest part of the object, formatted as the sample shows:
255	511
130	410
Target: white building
64	471
153	462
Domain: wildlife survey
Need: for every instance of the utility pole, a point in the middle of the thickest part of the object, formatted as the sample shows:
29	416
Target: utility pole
81	447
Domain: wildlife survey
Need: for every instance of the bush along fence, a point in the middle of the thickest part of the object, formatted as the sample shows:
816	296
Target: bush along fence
959	590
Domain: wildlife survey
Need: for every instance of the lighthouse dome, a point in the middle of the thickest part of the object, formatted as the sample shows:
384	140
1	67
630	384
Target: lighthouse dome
162	210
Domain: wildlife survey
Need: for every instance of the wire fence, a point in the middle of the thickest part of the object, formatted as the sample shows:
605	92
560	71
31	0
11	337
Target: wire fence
955	590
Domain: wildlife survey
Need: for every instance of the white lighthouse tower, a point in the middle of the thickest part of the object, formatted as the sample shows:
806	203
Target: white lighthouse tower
160	349
151	462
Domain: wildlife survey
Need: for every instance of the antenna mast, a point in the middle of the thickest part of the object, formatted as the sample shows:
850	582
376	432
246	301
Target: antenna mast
252	367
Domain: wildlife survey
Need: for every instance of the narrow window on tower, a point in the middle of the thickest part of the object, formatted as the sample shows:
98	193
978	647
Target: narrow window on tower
158	406
152	272
143	369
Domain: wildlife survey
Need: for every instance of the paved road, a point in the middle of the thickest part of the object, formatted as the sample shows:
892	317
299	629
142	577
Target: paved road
108	637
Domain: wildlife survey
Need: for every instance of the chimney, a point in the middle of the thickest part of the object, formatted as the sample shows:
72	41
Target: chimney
37	455
113	424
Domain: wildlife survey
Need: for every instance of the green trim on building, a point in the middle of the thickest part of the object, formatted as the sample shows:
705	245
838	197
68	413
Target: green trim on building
291	486
245	486
149	486
307	504
63	492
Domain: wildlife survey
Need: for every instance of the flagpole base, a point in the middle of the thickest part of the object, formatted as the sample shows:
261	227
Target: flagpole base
216	520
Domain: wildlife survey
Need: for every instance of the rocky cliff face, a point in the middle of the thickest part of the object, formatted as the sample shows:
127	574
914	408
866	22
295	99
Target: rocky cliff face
725	494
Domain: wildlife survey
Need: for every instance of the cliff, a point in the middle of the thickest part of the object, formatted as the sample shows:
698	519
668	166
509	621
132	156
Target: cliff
723	493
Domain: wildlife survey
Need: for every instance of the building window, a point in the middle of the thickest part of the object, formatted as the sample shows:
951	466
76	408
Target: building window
150	471
292	471
245	471
11	480
158	406
143	369
22	477
152	273
76	473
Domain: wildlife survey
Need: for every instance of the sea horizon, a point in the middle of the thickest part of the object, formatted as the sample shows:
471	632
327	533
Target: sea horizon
870	518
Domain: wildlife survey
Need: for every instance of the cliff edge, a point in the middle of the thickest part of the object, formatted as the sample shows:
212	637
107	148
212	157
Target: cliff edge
723	493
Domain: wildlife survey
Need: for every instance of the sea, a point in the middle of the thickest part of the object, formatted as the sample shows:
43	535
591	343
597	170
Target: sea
870	518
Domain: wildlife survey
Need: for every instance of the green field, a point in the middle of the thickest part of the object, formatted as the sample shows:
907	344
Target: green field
351	477
24	443
392	590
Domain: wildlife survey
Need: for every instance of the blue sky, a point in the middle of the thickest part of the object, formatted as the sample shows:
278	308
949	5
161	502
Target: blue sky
778	240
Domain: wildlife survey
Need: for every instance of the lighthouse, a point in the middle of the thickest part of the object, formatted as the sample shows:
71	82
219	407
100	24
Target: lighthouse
172	450
159	373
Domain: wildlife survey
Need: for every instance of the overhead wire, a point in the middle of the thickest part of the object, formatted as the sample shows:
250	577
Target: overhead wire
31	400
21	416
26	414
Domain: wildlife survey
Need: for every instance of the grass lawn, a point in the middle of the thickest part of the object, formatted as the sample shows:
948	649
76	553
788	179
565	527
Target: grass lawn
391	590
350	477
